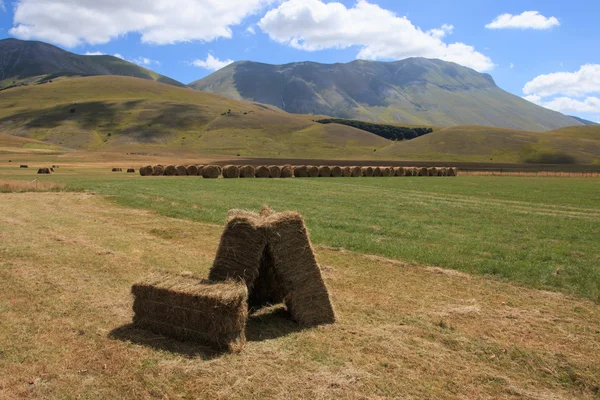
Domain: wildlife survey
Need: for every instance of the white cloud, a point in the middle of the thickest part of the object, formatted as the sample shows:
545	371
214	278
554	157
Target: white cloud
568	105
313	25
119	56
94	53
211	63
584	81
144	61
527	20
2	6
251	30
71	23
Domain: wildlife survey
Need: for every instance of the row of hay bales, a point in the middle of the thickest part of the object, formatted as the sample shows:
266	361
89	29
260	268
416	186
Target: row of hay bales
288	171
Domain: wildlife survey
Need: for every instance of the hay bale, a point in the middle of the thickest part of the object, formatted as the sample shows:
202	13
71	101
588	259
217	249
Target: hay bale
440	172
192	170
367	171
324	171
377	171
24	166
231	172
336	172
347	172
187	308
181	170
263	172
297	271
399	171
386	171
146	171
301	171
170	170
453	171
157	170
116	170
432	171
247	171
356	172
423	172
287	171
274	171
313	171
131	170
211	171
44	171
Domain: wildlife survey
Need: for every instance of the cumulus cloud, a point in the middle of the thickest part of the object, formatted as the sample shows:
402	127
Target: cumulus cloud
526	20
313	25
211	63
578	83
568	105
94	53
251	30
142	61
2	6
70	23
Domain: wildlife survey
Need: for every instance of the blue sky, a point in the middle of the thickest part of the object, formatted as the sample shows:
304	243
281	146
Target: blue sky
544	50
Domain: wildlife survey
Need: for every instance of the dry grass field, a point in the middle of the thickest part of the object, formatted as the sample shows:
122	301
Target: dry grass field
67	262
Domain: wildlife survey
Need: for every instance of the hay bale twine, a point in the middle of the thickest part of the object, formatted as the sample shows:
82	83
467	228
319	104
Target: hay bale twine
336	172
211	171
247	171
188	308
231	172
275	171
301	171
263	172
356	172
432	171
313	171
399	171
367	171
181	170
377	171
386	171
324	171
131	170
192	170
423	171
453	171
287	171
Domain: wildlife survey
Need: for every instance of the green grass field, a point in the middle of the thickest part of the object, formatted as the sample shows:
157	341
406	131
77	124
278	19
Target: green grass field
541	232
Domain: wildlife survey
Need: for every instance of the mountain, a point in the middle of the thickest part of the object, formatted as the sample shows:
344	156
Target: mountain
32	62
584	121
411	91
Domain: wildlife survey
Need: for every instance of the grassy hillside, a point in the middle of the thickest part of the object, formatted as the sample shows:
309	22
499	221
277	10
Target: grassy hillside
480	144
110	113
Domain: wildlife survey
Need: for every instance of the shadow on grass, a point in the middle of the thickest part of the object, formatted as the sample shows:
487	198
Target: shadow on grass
269	324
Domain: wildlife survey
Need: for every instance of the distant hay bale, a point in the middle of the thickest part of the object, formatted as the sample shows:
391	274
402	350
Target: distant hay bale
432	171
377	171
336	172
386	171
347	172
187	308
453	171
287	171
55	166
275	171
444	171
116	170
356	172
199	167
192	170
247	171
301	171
423	171
313	171
44	171
231	172
297	271
211	171
408	171
146	170
131	170
441	172
181	170
157	170
170	170
263	172
23	166
367	171
399	171
324	171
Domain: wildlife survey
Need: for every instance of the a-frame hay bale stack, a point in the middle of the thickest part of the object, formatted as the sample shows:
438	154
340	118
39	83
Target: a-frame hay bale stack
187	308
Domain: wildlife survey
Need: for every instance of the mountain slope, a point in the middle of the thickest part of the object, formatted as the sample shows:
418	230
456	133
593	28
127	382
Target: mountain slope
29	61
411	91
584	121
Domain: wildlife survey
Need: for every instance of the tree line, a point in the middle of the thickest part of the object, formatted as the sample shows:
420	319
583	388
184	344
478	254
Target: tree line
390	132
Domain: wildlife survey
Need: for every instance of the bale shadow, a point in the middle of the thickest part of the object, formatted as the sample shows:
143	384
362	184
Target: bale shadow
270	323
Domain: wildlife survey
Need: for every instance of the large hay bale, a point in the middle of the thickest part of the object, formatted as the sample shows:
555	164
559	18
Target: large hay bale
324	171
263	172
313	171
347	172
440	172
181	170
157	170
423	171
444	171
336	172
211	171
297	271
399	171
453	171
386	171
408	171
356	172
44	171
432	171
367	171
377	171
231	172
301	171
275	171
247	171
146	170
287	171
192	170
170	170
131	170
187	308
199	167
116	169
